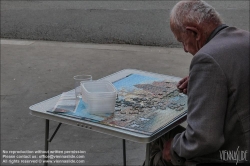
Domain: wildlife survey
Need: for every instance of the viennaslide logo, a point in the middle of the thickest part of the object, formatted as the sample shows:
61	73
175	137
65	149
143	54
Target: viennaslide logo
233	155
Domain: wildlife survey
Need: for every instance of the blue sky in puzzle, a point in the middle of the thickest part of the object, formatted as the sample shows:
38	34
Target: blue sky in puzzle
130	81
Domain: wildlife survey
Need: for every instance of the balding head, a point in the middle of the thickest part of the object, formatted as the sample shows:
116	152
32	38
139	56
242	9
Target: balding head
193	12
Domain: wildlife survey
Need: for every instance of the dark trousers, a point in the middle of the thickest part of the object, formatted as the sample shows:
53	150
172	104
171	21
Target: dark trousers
156	147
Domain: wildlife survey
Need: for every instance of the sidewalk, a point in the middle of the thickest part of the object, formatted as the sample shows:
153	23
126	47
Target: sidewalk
32	71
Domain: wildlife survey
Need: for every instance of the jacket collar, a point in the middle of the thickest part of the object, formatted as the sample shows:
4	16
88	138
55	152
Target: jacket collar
217	30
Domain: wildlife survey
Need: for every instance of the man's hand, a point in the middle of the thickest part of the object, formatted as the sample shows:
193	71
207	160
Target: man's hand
183	84
166	155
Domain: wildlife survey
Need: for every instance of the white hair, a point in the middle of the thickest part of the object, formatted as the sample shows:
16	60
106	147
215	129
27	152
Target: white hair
193	11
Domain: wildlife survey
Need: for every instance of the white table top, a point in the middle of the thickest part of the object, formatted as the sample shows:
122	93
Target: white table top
40	110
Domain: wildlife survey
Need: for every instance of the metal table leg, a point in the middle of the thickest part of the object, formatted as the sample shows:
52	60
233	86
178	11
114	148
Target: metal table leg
147	154
46	142
124	151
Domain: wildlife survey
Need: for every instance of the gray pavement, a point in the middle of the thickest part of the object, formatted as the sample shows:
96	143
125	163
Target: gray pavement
32	71
141	22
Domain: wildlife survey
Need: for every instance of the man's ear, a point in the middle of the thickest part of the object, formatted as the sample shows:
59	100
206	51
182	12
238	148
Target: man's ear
195	31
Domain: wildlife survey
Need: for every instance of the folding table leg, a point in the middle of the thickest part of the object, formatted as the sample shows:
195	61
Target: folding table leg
147	154
124	151
46	142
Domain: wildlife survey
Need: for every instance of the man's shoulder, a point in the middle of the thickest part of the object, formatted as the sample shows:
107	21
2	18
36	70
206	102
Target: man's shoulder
226	45
227	40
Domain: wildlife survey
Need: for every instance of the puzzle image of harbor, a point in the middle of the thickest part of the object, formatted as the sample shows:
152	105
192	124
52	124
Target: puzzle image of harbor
144	104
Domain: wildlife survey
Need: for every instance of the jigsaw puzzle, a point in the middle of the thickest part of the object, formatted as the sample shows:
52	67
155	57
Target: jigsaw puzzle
144	104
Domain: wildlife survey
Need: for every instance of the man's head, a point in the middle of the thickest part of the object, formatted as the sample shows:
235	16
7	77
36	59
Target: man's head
192	21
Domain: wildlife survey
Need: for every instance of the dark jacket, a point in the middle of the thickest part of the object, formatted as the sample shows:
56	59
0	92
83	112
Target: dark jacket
218	100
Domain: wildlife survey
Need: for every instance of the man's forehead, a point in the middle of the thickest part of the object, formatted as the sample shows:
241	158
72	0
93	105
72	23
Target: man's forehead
178	38
177	35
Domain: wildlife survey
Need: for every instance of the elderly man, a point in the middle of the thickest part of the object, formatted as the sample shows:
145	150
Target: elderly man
217	89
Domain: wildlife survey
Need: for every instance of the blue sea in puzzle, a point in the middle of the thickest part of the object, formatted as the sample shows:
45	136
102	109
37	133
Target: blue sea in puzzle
81	113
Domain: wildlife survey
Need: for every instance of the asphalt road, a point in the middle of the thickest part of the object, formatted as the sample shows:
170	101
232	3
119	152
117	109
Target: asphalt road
34	71
130	22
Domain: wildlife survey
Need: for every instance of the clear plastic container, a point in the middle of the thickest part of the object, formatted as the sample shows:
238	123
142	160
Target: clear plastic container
100	96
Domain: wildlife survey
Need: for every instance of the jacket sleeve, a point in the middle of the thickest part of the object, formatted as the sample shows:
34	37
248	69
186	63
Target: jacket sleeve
207	104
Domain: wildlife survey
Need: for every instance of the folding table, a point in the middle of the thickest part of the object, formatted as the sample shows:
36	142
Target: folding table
41	110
